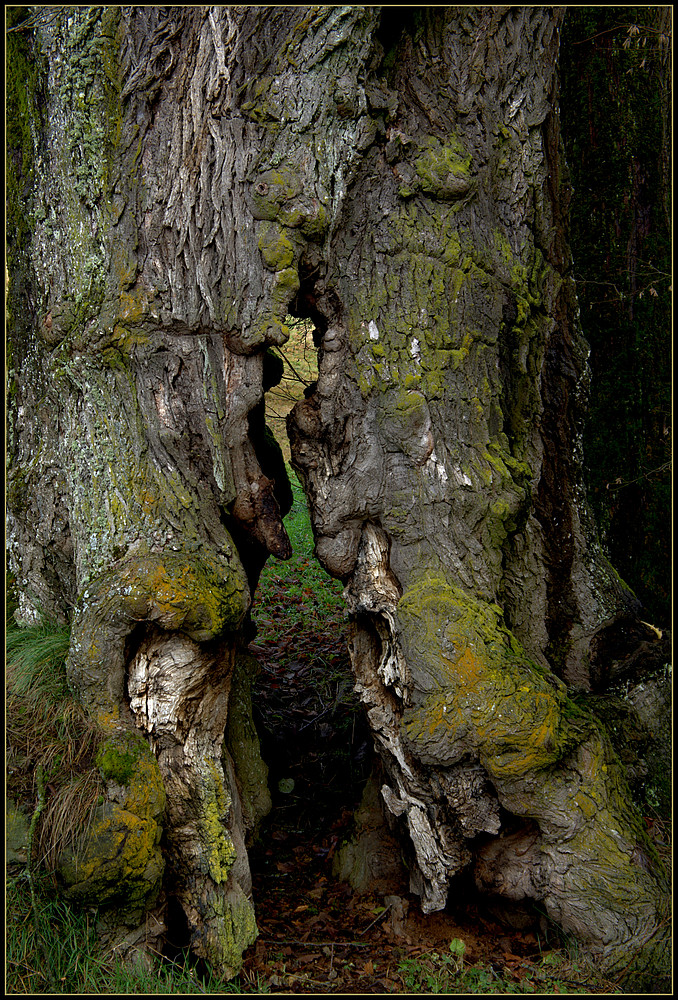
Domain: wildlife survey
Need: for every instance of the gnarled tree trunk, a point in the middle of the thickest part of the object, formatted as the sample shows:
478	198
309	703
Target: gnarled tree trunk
189	177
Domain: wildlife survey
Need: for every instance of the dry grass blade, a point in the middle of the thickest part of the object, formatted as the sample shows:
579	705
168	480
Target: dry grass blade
49	733
68	816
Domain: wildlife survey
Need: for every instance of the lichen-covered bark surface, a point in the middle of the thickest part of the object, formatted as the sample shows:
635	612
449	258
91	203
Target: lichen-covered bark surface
193	175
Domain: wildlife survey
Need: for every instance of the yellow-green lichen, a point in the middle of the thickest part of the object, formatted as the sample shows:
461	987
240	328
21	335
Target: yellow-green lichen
117	861
483	699
231	928
221	851
219	847
484	696
278	246
182	593
443	170
272	190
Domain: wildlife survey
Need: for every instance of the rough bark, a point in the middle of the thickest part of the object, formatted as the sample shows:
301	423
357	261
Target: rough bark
198	174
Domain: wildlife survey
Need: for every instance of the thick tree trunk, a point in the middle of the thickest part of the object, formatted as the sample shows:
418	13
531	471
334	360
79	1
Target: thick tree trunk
193	176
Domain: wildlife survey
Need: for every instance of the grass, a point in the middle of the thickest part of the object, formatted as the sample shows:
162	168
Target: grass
56	949
51	743
299	588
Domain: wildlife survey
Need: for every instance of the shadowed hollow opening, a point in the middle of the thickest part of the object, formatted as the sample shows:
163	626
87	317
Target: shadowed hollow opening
314	736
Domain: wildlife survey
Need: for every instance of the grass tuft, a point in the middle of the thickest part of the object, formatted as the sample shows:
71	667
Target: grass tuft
58	950
46	726
36	658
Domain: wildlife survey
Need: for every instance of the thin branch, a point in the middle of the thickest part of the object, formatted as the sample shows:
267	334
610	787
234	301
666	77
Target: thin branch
43	16
618	485
287	361
620	27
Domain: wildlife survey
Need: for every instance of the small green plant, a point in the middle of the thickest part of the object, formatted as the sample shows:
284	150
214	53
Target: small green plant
447	972
435	972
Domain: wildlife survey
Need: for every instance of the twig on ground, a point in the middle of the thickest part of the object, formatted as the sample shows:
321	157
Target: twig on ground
379	916
319	944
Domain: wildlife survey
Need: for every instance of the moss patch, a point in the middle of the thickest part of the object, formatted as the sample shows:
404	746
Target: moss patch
231	929
242	742
117	862
484	697
221	852
443	171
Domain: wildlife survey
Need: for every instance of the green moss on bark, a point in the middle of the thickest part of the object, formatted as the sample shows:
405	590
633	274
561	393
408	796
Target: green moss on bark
242	742
231	929
117	862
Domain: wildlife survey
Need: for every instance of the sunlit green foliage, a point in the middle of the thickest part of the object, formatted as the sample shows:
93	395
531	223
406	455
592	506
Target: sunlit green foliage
300	584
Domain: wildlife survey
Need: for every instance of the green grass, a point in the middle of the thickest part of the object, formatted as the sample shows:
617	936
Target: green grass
56	949
36	658
50	741
297	591
302	621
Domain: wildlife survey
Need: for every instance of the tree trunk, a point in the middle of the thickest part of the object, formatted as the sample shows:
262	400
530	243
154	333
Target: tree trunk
187	178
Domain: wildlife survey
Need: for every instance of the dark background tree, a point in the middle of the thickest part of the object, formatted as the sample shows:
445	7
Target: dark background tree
182	179
615	113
